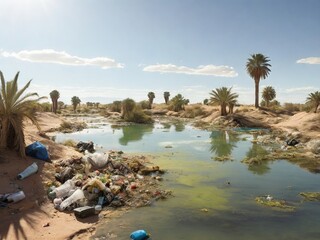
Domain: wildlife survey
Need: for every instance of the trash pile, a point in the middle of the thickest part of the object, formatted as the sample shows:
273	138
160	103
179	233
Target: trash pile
86	185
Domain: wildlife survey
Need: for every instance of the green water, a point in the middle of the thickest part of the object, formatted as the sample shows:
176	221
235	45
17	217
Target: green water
198	182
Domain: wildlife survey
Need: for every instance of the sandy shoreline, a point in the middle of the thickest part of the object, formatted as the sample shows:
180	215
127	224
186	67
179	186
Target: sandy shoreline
26	219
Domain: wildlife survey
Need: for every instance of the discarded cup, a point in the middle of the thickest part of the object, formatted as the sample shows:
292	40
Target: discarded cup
97	209
63	190
33	168
16	197
77	195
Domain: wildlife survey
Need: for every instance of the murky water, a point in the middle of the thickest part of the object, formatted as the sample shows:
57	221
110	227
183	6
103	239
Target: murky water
199	182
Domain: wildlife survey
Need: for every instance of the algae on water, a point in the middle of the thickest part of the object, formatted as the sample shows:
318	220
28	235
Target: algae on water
274	203
311	196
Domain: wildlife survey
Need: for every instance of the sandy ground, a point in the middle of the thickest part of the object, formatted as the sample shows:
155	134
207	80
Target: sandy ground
28	219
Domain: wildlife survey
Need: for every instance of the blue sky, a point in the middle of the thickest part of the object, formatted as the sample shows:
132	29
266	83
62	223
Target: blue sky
113	49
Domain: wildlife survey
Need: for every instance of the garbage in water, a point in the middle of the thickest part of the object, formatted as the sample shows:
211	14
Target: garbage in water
37	150
139	235
33	168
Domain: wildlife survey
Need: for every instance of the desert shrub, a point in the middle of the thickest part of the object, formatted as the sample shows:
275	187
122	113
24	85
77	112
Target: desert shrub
192	112
69	143
115	106
45	107
72	127
292	107
144	104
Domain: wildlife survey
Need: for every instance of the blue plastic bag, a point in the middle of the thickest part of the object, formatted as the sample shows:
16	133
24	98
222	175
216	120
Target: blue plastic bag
139	235
37	150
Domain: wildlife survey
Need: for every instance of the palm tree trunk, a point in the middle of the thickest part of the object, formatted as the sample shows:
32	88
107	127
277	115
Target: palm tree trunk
4	133
315	111
256	104
223	110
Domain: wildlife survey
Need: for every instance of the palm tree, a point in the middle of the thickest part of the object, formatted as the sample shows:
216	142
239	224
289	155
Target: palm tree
268	94
314	99
166	96
258	67
54	98
15	106
75	102
151	96
177	103
223	97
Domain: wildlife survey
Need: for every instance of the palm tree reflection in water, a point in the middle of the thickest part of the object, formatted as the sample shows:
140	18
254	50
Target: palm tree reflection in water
223	142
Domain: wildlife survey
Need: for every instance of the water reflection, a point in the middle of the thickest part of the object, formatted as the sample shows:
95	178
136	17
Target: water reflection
132	134
179	126
223	142
258	152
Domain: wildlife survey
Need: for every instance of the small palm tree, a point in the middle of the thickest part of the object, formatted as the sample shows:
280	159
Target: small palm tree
268	94
54	98
166	96
223	97
15	106
314	99
178	102
75	102
258	67
151	96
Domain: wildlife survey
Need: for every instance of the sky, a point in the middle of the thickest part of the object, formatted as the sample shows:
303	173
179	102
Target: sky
107	50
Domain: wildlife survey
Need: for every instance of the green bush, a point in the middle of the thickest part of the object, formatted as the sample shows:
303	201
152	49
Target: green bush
131	112
138	116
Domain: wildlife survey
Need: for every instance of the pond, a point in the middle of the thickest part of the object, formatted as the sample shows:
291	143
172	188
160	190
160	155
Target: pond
212	199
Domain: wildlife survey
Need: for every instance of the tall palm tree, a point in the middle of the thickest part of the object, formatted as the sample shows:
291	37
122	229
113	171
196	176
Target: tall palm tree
223	97
15	106
258	67
54	98
151	96
166	96
75	102
314	99
268	94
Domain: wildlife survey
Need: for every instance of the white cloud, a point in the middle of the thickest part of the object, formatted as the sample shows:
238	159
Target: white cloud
300	90
209	70
64	58
309	60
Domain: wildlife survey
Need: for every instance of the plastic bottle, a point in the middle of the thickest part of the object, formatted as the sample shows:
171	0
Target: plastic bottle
77	195
63	190
16	197
139	235
33	168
